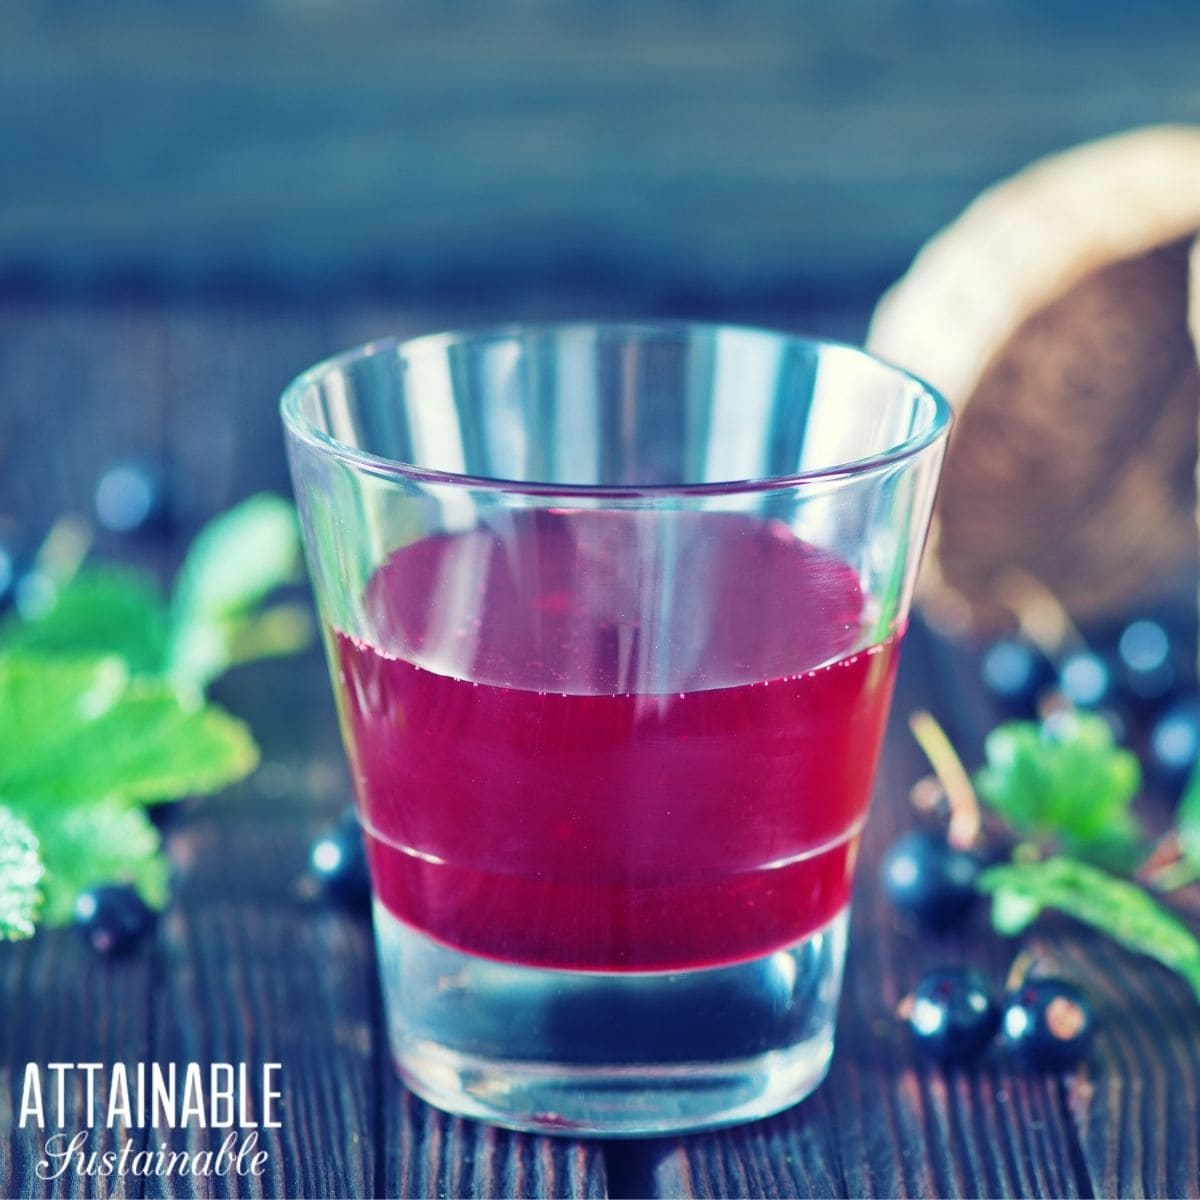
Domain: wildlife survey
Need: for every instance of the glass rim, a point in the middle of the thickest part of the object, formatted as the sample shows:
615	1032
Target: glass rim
299	426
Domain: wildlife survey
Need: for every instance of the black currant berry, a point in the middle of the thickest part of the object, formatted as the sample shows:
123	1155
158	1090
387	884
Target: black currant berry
1047	1023
9	573
1145	659
952	1015
1174	743
926	878
162	814
1014	671
1086	679
131	497
112	917
339	863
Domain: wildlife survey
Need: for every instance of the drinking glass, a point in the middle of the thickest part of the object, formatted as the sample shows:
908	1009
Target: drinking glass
612	614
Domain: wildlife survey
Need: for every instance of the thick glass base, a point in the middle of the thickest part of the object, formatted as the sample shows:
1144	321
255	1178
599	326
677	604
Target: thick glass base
605	1053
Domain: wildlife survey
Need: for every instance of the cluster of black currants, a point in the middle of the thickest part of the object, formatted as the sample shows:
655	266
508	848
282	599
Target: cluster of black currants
1139	681
1043	1023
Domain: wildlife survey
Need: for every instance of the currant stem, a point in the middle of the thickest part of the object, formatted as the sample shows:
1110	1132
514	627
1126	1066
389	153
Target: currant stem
1174	876
1167	869
965	819
1020	970
64	548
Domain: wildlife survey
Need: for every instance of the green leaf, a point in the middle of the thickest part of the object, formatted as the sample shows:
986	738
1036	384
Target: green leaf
274	632
99	611
1114	907
1013	912
71	732
43	701
87	844
82	745
240	557
101	709
1065	780
21	871
236	561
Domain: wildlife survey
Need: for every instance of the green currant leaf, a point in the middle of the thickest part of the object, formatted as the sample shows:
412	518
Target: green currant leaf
1064	780
235	562
43	701
1114	907
72	732
83	744
87	844
273	632
99	611
21	871
1013	911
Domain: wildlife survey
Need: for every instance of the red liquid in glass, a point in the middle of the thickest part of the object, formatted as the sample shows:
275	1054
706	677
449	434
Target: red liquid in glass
532	793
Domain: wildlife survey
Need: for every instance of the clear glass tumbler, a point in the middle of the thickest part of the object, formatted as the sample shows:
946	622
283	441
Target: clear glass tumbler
612	615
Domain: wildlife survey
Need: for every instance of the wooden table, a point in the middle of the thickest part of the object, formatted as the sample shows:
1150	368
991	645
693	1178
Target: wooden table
245	966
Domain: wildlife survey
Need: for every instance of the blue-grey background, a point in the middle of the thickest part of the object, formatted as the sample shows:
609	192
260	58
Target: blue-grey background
199	198
671	154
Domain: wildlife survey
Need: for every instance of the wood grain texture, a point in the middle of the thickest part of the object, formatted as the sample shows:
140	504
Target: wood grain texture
61	1005
249	974
1134	1104
224	371
794	1154
428	1153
